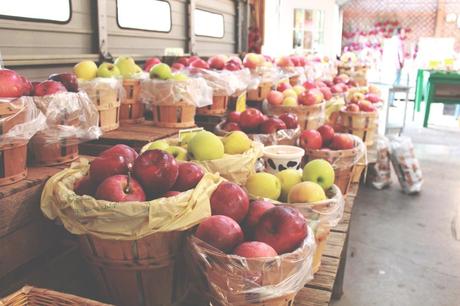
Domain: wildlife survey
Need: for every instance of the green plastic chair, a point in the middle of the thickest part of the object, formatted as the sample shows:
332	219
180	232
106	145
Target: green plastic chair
436	79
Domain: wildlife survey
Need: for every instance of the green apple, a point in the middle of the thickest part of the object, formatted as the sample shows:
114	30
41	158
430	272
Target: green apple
161	71
288	178
179	153
186	139
290	101
85	70
306	192
236	142
264	185
319	171
107	70
179	77
127	66
298	89
205	146
156	145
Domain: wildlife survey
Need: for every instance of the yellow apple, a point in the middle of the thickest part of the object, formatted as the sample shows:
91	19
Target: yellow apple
288	178
236	142
179	153
290	101
85	70
306	192
290	93
264	185
155	145
319	171
298	89
205	146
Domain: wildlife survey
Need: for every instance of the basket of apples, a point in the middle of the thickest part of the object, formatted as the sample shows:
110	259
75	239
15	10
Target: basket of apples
233	156
292	68
174	97
19	121
307	103
312	191
283	129
360	117
71	118
263	75
239	258
346	153
132	213
104	86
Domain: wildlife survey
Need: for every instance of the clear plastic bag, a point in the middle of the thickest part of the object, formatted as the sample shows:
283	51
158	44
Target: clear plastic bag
263	74
20	119
194	91
68	116
381	171
405	164
103	90
222	82
234	280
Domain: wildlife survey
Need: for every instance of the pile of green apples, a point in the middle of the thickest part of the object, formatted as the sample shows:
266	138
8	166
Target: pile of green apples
124	66
294	186
204	145
162	71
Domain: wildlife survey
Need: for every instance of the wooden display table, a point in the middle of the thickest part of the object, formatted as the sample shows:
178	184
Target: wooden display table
135	135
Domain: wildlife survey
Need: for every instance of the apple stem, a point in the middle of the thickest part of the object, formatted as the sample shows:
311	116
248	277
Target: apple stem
128	185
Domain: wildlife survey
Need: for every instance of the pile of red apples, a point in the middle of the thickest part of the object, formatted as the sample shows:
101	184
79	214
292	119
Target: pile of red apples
325	138
250	229
359	102
253	121
120	174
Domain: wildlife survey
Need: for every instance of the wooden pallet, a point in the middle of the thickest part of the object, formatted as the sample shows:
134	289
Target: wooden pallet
134	135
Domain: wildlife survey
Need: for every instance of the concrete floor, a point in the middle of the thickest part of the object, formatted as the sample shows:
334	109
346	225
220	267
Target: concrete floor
402	249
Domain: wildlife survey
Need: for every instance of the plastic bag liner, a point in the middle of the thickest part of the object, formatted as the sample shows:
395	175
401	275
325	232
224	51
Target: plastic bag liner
405	163
235	280
222	82
263	74
381	177
103	89
193	91
280	137
124	220
68	115
234	167
20	119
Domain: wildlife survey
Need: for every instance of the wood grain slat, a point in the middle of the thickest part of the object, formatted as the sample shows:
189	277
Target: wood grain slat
324	279
312	297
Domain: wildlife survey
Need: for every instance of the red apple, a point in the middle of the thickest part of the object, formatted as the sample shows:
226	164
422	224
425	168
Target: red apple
342	142
199	63
284	62
177	66
156	170
327	132
366	106
189	176
48	88
127	152
234	117
28	88
221	232
291	120
272	125
233	65
192	59
69	80
256	209
352	83
341	78
183	60
254	249
171	193
306	98
320	84
231	126
336	88
295	60
328	83
282	228
373	98
217	61
352	107
120	188
104	166
275	97
344	87
252	60
250	119
149	63
310	139
230	200
85	186
327	93
309	85
282	86
11	84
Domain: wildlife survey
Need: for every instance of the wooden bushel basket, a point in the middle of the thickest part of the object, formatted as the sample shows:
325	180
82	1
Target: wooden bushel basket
138	272
177	115
57	153
107	101
132	108
361	124
310	117
13	155
30	296
218	107
260	93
